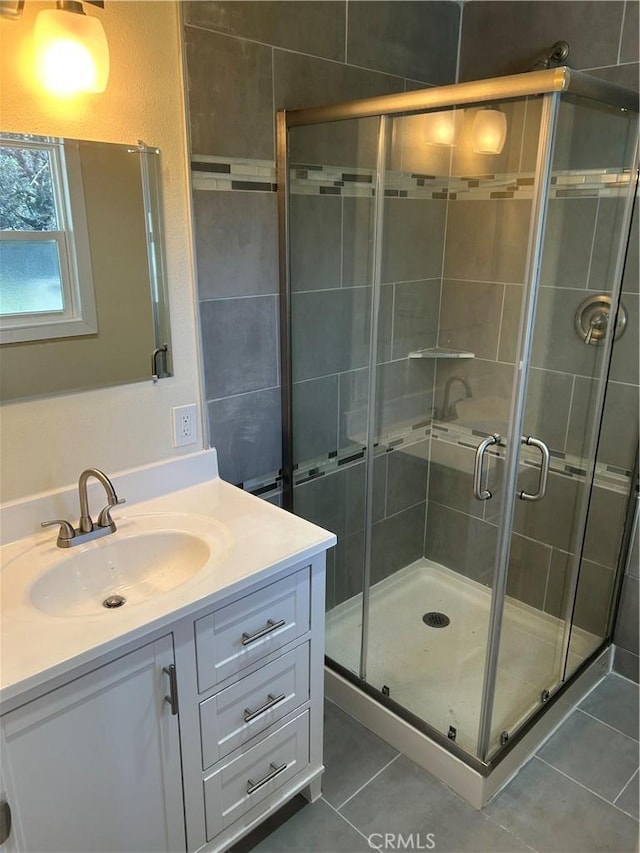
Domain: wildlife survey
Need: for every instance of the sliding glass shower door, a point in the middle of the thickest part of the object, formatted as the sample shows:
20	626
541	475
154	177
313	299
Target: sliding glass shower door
569	511
455	227
451	308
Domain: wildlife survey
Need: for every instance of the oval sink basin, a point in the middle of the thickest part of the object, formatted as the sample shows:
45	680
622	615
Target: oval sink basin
136	568
136	565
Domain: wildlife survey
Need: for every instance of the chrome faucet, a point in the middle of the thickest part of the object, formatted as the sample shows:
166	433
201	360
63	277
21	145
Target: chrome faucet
449	411
68	536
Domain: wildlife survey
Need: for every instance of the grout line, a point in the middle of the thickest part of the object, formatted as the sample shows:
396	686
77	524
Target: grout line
400	511
459	53
546	584
468	515
522	138
393	318
566	432
579	784
593	246
507	829
274	47
626	785
620	675
346	32
353	826
624	16
375	775
273	295
353	286
612	65
242	394
504	299
608	725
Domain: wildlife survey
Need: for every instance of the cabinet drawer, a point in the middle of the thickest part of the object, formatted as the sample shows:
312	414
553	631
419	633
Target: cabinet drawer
251	705
241	633
252	777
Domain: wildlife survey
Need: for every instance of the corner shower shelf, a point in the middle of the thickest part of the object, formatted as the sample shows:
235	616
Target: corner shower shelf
440	352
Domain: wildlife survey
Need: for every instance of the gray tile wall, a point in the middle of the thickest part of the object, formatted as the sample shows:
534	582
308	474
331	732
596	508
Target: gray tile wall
244	60
507	37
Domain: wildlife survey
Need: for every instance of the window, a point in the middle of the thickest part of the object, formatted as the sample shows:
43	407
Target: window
46	286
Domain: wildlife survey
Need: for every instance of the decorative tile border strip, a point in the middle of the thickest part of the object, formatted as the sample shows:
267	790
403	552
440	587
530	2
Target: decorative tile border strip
607	477
232	173
225	173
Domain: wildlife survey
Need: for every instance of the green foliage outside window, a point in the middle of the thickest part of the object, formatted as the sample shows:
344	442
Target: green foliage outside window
26	190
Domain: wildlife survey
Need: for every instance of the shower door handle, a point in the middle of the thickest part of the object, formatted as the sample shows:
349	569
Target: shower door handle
544	469
478	492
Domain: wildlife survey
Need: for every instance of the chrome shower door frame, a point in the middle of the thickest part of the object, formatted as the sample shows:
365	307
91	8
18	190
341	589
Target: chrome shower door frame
546	138
550	84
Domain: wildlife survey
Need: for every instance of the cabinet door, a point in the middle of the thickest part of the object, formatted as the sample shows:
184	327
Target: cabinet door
95	765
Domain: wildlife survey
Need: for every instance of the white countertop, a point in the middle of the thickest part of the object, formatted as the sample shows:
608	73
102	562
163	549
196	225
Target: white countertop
254	539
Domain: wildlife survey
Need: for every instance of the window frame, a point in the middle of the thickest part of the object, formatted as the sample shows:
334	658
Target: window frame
78	315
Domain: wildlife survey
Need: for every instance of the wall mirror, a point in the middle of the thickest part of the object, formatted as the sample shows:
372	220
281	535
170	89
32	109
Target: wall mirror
83	300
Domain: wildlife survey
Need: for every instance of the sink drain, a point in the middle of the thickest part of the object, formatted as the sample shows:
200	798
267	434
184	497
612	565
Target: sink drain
114	601
436	620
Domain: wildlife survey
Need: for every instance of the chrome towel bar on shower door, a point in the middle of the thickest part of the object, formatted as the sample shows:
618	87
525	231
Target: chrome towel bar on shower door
478	492
485	494
544	469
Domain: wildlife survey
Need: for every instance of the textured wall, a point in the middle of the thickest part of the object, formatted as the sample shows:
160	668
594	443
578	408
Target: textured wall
46	443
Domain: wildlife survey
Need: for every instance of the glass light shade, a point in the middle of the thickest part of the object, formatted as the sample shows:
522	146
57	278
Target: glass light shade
489	132
443	128
71	51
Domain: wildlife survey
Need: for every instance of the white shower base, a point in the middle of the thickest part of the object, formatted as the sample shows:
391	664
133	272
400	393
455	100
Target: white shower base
437	673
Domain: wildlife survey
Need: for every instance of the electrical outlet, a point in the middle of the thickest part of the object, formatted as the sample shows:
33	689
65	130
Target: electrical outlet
185	424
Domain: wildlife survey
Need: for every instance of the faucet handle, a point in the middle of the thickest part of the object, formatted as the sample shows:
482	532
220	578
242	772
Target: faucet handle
104	519
66	531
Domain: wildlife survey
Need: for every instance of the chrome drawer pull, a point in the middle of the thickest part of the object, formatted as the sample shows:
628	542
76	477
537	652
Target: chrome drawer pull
253	786
270	626
273	700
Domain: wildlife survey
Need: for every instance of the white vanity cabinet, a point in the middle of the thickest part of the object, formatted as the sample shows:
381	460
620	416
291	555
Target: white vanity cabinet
95	764
251	701
107	762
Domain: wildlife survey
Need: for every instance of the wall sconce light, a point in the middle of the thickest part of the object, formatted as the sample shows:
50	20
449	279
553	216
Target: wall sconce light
71	49
443	128
488	132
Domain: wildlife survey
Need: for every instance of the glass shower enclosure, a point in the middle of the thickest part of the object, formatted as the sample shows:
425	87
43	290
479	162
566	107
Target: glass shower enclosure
451	268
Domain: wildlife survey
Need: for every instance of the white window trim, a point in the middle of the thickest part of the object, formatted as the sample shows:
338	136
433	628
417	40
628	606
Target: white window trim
78	316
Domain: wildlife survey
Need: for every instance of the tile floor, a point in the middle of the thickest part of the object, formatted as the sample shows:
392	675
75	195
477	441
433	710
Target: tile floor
579	793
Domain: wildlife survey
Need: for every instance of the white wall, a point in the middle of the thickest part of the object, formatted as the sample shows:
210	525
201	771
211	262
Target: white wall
45	444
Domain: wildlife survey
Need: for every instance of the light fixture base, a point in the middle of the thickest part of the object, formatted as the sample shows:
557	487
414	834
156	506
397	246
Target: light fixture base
70	6
11	9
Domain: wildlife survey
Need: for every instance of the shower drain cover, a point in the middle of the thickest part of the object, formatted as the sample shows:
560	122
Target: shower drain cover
436	620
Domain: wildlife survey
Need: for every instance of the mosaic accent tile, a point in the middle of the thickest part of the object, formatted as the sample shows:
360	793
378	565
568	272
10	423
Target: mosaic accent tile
224	173
606	476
